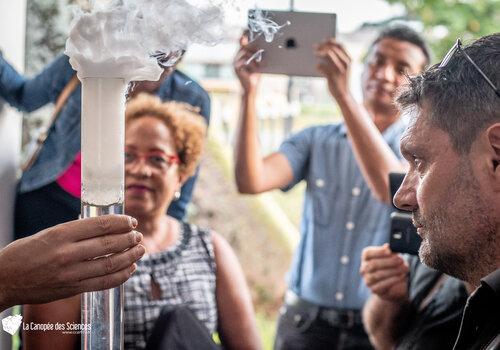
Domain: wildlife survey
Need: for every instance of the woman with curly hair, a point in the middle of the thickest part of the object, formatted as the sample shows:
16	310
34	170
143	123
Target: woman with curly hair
185	266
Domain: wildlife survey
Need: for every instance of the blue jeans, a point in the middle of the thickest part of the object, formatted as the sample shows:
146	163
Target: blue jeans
300	329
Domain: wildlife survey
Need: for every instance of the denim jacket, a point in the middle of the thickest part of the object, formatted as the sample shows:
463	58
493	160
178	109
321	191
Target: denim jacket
63	141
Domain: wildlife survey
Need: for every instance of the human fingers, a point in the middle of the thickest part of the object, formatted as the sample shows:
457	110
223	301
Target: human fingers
325	64
103	245
244	38
240	54
249	53
245	50
320	50
375	252
106	282
102	266
381	288
321	45
340	51
388	262
332	41
343	54
330	61
243	59
246	61
339	64
246	65
78	230
380	275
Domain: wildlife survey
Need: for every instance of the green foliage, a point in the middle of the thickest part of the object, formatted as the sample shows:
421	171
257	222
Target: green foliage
267	330
43	39
446	20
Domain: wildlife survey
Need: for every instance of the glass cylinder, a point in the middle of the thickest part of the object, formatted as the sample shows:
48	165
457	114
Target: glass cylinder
103	139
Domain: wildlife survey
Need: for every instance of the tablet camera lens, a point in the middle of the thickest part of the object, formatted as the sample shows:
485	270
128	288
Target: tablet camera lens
290	43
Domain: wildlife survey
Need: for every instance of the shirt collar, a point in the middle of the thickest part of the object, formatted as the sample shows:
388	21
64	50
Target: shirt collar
493	281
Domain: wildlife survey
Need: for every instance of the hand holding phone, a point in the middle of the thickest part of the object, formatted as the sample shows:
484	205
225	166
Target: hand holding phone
385	273
404	237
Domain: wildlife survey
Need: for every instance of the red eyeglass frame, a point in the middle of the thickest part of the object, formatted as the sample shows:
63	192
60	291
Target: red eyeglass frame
171	158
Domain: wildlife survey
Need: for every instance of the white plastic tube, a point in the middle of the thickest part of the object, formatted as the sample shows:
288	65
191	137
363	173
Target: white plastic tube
103	138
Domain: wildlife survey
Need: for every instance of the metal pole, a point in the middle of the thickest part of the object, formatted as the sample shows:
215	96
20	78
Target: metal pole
288	122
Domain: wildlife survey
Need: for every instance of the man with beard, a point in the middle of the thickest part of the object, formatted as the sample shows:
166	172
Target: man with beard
346	167
452	187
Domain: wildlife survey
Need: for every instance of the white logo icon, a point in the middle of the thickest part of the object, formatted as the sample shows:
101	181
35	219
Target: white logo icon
11	324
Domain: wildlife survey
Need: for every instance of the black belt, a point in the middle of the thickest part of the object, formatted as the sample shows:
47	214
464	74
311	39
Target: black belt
342	318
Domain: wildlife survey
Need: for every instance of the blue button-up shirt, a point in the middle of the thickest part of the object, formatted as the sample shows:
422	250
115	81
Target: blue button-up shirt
340	215
63	141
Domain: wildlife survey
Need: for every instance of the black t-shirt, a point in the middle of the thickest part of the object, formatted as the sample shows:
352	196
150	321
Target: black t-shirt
481	324
436	305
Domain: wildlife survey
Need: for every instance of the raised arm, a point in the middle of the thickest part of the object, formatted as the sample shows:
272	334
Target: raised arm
375	158
385	273
237	326
254	173
30	94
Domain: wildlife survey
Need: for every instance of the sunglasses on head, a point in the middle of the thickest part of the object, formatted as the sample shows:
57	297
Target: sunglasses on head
458	48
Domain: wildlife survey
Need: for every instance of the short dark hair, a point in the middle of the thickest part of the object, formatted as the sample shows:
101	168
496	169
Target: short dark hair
459	99
404	33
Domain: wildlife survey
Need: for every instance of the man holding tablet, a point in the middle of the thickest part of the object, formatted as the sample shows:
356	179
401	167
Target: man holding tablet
346	167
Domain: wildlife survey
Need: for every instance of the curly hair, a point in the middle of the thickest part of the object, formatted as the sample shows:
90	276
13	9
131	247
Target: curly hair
187	126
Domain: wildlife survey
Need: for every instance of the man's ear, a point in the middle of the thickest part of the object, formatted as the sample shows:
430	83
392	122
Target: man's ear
493	135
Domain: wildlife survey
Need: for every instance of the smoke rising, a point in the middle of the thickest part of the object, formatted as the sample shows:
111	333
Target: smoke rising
260	24
125	38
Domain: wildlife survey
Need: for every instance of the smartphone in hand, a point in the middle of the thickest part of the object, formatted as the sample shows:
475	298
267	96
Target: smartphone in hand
403	236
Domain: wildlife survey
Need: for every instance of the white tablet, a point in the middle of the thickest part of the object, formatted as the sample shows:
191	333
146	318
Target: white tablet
291	52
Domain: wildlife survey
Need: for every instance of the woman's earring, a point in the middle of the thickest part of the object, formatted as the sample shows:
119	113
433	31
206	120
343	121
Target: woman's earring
177	195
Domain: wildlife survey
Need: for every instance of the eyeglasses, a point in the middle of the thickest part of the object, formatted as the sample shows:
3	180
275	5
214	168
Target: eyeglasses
458	48
155	159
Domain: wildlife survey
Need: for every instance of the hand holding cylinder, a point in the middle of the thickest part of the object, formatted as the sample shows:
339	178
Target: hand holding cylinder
59	262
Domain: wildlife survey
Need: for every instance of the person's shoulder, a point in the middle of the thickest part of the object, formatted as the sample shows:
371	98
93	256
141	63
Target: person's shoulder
182	81
220	244
203	233
57	73
196	232
320	132
61	62
201	239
